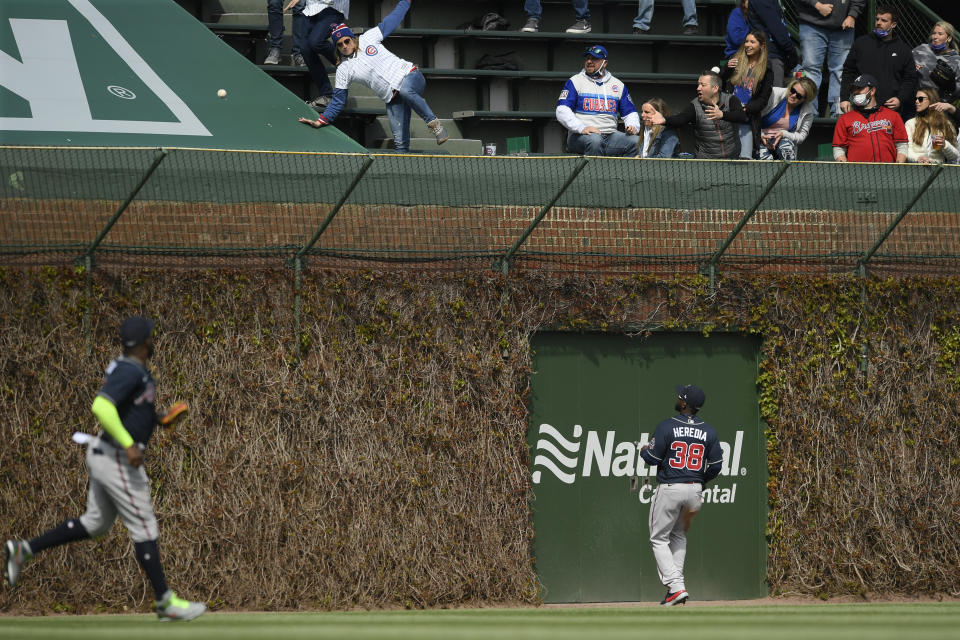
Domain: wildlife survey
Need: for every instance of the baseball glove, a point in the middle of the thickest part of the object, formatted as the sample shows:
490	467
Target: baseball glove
175	412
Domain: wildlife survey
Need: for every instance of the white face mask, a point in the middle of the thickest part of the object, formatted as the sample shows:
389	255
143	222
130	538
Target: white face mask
861	99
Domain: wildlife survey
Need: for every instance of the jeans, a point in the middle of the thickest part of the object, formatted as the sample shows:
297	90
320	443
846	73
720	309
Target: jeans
785	150
817	44
275	23
603	144
745	131
533	9
318	43
409	96
645	14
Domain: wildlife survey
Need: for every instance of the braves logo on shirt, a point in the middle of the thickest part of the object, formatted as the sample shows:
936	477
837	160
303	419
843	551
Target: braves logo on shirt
860	126
371	50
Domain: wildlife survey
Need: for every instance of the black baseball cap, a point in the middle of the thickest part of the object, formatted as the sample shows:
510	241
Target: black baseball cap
864	80
135	330
692	395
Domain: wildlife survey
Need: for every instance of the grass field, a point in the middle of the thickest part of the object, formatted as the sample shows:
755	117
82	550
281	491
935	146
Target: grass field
814	621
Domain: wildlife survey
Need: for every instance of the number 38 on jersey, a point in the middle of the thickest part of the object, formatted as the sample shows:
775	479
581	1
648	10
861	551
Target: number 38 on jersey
686	455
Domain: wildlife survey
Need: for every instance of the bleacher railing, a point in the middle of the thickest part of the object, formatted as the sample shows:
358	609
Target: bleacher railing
190	207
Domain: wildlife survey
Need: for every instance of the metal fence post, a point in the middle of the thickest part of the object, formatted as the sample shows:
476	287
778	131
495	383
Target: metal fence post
861	265
296	262
710	268
92	247
333	212
86	260
503	264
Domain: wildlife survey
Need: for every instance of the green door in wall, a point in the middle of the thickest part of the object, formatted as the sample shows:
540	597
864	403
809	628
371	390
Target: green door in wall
594	398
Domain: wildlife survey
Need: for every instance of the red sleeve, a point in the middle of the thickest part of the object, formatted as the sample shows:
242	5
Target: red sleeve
899	131
840	133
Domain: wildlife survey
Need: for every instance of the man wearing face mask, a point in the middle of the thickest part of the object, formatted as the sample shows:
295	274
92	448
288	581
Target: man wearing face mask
869	132
590	106
883	55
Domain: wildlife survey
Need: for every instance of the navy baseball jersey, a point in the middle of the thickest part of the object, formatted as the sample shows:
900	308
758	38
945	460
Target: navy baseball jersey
130	387
685	449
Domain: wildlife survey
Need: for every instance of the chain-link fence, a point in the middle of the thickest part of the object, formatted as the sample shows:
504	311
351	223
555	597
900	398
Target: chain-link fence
184	207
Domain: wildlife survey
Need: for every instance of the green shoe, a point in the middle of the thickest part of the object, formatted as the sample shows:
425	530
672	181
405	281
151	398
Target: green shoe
18	552
174	608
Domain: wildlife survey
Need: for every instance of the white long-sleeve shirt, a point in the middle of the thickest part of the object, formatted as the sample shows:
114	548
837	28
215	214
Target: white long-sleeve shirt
313	7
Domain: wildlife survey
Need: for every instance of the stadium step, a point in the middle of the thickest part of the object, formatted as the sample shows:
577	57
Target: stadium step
380	128
453	146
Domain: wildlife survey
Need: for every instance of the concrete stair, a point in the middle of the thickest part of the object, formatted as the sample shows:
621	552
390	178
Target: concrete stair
429	145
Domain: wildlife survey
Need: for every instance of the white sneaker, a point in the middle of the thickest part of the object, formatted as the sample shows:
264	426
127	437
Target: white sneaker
174	608
273	56
18	552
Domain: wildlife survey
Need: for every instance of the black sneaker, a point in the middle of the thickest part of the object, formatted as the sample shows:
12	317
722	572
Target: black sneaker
677	597
580	26
639	31
691	30
532	25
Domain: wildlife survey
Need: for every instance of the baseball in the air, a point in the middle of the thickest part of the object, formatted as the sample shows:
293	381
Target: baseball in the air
222	93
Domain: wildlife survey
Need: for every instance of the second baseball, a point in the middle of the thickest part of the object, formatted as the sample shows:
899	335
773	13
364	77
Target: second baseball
222	93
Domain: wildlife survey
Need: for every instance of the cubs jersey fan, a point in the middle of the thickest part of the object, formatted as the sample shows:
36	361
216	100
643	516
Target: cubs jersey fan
596	100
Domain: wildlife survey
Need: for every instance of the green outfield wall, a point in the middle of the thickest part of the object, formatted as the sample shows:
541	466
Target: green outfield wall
114	73
594	399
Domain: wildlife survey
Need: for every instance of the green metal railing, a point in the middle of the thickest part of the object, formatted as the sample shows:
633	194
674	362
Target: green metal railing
186	207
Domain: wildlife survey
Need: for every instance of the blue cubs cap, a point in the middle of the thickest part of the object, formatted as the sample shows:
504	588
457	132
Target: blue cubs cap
135	330
692	395
596	51
338	31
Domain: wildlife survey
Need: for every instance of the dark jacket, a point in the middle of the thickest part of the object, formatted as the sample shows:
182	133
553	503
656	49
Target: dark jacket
758	99
714	139
767	16
889	61
807	12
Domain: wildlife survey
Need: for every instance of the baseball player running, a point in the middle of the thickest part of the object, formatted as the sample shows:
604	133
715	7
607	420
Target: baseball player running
124	407
398	82
687	454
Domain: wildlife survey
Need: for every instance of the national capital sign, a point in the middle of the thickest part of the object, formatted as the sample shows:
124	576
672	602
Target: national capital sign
599	453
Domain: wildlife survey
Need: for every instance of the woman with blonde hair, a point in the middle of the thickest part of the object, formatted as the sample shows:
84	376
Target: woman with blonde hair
750	78
931	134
786	120
657	140
938	61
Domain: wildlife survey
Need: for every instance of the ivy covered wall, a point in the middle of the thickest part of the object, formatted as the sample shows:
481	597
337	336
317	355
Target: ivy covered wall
379	457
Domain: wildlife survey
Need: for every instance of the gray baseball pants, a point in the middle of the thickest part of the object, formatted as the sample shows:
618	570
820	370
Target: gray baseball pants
671	510
116	488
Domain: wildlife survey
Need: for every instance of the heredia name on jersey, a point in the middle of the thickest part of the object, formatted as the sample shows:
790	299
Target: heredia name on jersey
599	453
